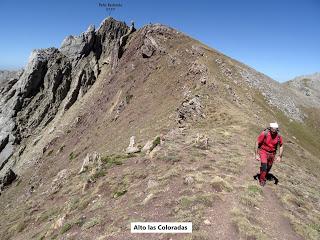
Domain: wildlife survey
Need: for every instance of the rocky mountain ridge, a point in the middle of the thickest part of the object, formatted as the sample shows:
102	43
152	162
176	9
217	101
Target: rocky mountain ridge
190	116
306	88
53	80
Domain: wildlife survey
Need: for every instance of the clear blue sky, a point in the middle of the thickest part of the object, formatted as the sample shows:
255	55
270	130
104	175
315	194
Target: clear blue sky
280	38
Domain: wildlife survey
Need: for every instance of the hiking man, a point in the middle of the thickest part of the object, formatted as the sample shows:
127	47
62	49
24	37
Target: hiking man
267	144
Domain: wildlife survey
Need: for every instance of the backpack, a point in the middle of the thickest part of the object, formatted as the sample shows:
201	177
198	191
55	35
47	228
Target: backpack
266	130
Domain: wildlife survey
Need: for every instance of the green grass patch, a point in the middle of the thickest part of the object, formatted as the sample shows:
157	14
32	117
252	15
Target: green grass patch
91	223
119	193
307	230
114	159
219	184
21	225
155	142
254	189
51	212
80	221
50	152
206	200
248	201
83	203
73	156
65	228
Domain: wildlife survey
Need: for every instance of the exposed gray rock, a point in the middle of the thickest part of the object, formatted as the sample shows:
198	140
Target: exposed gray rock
124	38
150	145
306	88
107	42
198	71
59	180
92	160
147	146
7	76
53	80
131	148
45	84
152	184
190	109
75	47
147	51
274	92
188	180
4	139
8	178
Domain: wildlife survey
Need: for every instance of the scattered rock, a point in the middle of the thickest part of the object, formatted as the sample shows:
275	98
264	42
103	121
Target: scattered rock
147	147
59	180
207	222
150	145
190	109
202	141
197	68
154	152
148	198
203	80
188	180
224	68
92	160
59	222
86	186
131	148
147	51
196	49
152	183
273	92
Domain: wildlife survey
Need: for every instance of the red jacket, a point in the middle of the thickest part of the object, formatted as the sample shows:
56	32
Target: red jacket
269	143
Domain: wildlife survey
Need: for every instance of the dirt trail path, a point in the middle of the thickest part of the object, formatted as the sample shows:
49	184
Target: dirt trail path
270	210
220	217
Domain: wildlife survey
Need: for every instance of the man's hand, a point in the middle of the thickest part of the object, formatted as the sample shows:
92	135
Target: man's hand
258	158
279	159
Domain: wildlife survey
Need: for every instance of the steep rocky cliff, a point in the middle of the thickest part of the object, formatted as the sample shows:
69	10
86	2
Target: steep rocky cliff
52	81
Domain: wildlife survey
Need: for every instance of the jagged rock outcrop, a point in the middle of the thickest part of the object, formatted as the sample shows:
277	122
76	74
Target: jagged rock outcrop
44	84
8	178
53	80
75	47
6	76
107	42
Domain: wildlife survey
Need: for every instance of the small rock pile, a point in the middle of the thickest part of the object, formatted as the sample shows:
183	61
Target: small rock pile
190	109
